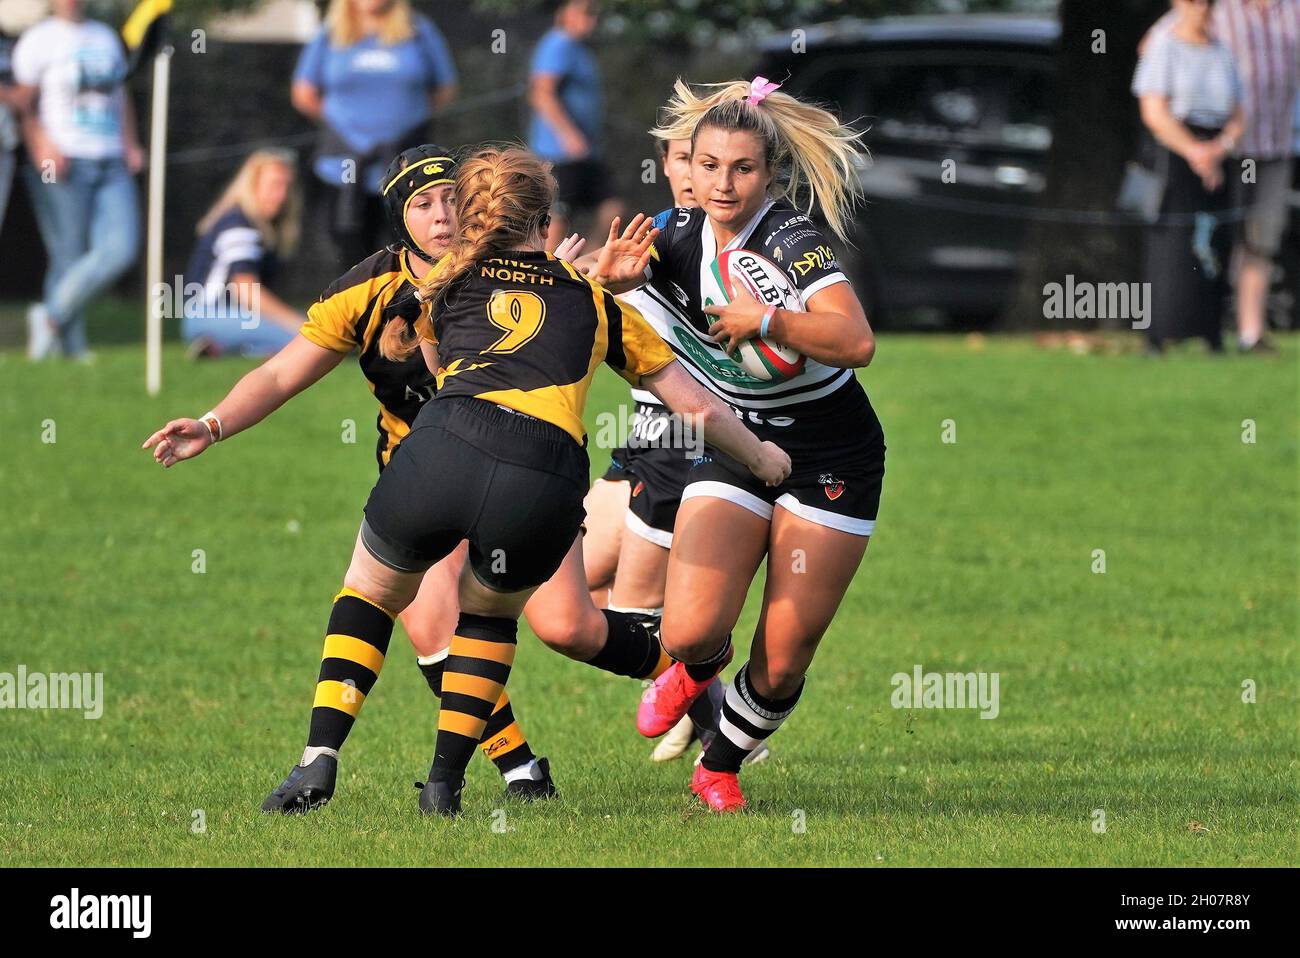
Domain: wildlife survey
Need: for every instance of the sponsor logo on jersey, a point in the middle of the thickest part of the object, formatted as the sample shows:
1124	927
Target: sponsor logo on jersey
791	241
834	488
792	221
724	371
819	258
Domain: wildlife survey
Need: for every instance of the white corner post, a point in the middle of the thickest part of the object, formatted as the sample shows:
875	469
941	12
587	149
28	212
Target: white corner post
154	291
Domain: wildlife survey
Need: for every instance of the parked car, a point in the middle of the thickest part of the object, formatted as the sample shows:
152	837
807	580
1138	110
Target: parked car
958	113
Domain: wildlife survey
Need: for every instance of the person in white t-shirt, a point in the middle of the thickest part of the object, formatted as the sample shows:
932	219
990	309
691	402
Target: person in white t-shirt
80	133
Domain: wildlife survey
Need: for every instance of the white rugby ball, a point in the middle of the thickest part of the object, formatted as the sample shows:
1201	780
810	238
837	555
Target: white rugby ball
762	359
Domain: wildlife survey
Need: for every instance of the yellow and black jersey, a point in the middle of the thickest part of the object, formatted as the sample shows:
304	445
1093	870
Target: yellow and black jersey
528	331
351	314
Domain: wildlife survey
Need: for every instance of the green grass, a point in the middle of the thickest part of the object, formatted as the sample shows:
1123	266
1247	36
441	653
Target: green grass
1119	691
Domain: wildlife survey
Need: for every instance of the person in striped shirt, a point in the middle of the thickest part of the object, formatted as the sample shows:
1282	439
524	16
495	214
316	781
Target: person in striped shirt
229	305
1264	39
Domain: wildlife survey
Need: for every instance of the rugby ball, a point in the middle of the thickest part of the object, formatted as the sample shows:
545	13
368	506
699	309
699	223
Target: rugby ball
763	359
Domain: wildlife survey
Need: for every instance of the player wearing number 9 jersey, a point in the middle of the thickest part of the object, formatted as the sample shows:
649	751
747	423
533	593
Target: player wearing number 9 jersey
351	315
760	162
498	456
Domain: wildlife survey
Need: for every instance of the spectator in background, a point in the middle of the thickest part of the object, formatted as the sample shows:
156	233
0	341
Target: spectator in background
372	78
241	240
1264	39
565	94
80	131
9	139
1189	96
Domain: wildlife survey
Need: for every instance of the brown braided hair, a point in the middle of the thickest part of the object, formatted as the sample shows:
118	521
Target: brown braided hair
503	198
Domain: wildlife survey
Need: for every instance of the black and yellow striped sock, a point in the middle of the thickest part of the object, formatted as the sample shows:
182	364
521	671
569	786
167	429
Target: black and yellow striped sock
473	679
503	741
356	641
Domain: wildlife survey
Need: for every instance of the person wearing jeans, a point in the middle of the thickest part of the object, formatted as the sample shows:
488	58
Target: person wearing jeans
8	125
241	241
80	133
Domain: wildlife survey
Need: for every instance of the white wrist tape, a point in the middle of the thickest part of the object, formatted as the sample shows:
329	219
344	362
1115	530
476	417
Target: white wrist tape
213	422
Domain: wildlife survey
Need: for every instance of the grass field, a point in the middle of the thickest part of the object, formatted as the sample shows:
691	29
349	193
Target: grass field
1120	691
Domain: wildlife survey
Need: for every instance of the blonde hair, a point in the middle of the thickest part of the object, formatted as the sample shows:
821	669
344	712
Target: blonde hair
281	231
814	157
503	195
345	29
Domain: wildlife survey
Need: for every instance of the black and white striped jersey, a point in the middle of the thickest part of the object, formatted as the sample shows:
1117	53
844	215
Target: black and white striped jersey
801	412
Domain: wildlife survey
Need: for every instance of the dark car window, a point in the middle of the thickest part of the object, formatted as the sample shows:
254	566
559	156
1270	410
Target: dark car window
964	101
1029	113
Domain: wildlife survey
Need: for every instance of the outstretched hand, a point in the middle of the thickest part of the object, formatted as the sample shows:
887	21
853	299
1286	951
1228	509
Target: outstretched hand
177	441
626	255
570	248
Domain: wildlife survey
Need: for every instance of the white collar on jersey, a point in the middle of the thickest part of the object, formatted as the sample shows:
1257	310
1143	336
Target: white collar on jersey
709	243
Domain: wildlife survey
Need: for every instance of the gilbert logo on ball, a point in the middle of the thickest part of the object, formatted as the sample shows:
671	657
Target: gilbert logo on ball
762	359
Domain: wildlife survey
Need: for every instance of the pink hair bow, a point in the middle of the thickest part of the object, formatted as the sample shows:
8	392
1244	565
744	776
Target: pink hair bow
759	88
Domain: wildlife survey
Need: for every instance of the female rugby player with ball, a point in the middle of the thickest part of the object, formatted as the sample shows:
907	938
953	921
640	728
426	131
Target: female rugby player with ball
632	508
758	157
498	456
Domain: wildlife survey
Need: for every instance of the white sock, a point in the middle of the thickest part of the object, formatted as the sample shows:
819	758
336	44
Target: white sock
313	752
620	608
529	770
1247	341
432	659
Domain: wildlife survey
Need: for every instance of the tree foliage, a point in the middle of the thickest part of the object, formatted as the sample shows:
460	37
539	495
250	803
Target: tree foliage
731	23
700	22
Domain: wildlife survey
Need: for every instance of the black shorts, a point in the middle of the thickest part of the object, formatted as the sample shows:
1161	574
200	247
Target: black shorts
511	484
659	475
618	470
845	495
581	185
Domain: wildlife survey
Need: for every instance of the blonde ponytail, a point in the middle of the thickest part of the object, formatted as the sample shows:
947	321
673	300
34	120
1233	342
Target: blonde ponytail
502	195
814	158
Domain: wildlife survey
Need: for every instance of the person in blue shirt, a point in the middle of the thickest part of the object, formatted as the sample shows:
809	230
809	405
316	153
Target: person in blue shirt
566	98
372	78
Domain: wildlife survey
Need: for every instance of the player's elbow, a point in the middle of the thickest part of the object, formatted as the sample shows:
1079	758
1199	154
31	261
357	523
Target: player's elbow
861	351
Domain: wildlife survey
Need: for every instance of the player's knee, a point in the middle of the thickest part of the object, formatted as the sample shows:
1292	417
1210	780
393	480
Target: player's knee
429	636
691	641
569	635
375	588
779	677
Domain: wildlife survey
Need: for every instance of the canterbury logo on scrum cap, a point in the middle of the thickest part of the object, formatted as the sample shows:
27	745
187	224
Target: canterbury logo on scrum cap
431	168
